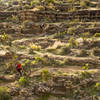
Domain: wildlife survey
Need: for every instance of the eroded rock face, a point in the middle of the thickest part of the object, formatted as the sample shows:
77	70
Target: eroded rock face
14	91
82	15
24	92
41	88
64	86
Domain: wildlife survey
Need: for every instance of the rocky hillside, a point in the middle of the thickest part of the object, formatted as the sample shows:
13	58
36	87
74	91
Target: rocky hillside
58	44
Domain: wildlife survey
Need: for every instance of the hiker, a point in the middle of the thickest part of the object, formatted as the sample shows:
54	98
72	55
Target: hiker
19	69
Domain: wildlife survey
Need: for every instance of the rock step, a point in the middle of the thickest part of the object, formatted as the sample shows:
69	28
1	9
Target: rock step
78	61
52	28
62	7
85	15
4	15
69	60
63	86
8	78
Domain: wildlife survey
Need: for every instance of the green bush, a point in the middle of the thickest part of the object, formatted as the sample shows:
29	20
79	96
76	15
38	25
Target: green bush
45	75
85	67
35	2
84	3
97	35
85	74
73	43
23	81
3	94
97	86
35	47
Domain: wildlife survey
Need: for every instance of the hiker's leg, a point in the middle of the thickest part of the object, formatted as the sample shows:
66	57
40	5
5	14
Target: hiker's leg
20	72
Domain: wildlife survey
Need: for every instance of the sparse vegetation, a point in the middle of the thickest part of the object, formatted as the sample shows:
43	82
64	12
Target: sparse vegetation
35	47
83	53
59	35
57	45
23	81
45	75
72	42
4	94
64	50
86	67
97	35
85	35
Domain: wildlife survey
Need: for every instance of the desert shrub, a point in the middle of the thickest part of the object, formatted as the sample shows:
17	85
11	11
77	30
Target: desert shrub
22	46
49	1
85	67
31	51
73	22
97	86
97	35
40	8
84	3
59	35
50	49
26	63
3	94
85	74
39	60
64	62
23	81
63	50
52	62
10	65
86	35
45	75
5	39
34	2
95	51
83	53
15	18
73	43
72	9
71	30
26	24
26	66
44	97
70	1
26	6
35	47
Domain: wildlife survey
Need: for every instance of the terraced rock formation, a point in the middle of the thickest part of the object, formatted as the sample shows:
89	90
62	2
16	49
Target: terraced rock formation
58	45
